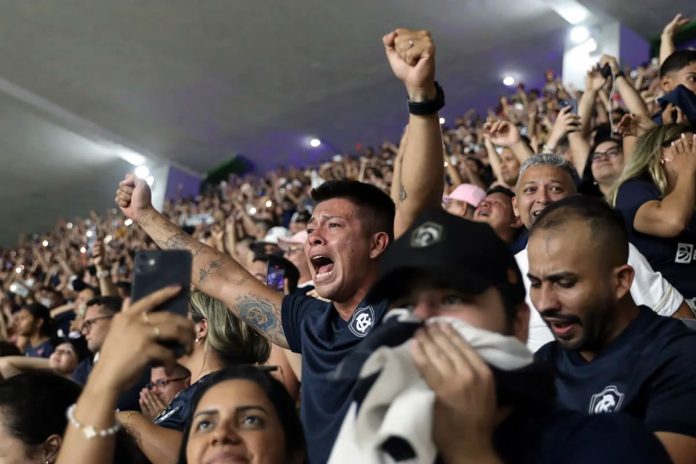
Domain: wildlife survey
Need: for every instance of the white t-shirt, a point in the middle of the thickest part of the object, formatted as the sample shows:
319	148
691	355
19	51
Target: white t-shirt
649	288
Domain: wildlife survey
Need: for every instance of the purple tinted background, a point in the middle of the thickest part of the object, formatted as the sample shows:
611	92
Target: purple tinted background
633	49
181	184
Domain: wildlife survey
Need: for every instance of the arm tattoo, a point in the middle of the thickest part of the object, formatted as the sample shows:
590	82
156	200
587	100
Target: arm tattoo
262	315
183	241
402	193
209	269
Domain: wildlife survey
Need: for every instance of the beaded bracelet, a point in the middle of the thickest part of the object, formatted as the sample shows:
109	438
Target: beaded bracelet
89	431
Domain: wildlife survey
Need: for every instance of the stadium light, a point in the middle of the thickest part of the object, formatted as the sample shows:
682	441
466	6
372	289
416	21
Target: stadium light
579	34
314	143
509	81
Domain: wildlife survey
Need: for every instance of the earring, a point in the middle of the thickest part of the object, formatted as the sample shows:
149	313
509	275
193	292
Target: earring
198	339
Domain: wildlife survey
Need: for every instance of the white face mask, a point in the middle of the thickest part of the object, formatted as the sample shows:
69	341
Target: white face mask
46	302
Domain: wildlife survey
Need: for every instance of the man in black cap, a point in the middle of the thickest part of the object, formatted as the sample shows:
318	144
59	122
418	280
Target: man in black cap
488	407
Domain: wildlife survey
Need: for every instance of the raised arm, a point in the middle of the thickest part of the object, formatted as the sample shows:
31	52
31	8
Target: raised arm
505	134
396	178
630	96
213	273
411	55
594	81
670	216
667	37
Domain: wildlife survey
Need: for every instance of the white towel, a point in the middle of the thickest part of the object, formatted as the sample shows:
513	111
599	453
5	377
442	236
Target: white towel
400	403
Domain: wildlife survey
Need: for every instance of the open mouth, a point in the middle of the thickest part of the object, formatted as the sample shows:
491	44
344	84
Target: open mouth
561	328
323	266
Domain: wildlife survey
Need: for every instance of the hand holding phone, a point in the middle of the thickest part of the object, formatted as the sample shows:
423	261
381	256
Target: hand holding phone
154	270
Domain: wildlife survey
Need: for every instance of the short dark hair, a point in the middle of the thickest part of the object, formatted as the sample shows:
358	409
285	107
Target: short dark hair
112	304
34	405
39	311
677	61
275	391
500	189
377	208
606	224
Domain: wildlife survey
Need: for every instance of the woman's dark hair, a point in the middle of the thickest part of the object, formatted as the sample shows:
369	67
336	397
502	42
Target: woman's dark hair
33	405
39	311
276	393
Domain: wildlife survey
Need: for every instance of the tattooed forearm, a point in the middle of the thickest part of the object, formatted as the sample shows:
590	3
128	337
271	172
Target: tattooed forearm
182	241
263	315
210	268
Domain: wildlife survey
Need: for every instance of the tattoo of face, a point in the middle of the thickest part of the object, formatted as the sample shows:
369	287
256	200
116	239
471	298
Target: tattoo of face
402	193
209	269
263	315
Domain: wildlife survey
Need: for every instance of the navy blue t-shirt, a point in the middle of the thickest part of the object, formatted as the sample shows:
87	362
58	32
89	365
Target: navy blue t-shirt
42	350
175	415
315	329
648	372
675	257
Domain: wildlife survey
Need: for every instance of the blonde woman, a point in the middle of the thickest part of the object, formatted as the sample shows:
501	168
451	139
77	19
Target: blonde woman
656	195
221	340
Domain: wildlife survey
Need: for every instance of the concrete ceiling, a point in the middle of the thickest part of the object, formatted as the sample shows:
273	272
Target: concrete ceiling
194	82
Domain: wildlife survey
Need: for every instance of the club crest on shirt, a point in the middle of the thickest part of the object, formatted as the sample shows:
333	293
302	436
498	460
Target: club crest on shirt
164	415
362	321
685	251
608	400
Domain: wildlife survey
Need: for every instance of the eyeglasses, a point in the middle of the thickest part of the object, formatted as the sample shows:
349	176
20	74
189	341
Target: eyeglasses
161	383
293	250
610	153
88	323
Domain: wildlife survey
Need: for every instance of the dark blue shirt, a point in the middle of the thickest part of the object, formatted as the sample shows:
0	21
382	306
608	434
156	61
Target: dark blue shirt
648	372
42	350
178	411
674	257
315	329
551	437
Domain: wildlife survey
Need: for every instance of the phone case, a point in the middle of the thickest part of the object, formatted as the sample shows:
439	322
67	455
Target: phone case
156	269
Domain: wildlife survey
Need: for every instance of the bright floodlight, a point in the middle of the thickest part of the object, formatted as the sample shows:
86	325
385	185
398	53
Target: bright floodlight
128	222
509	81
142	171
579	34
315	143
150	180
442	120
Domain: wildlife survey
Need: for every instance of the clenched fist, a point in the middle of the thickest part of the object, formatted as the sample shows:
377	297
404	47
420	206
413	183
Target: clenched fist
411	55
133	197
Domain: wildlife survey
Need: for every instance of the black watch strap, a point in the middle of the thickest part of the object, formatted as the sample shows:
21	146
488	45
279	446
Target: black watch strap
428	107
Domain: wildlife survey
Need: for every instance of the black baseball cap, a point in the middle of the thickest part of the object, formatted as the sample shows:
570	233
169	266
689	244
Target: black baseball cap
453	252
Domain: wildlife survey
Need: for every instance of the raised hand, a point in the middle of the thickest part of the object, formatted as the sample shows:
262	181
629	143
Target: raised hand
594	81
502	133
565	123
611	61
632	125
671	27
411	55
133	197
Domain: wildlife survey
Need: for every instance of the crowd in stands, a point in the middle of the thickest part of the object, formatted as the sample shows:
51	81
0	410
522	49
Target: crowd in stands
535	306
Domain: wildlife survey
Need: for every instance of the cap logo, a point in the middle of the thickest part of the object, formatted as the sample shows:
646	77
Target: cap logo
427	234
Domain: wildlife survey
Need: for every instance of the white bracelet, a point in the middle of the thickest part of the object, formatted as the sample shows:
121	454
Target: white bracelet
89	431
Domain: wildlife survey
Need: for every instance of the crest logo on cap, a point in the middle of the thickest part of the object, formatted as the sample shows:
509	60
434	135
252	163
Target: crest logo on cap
427	234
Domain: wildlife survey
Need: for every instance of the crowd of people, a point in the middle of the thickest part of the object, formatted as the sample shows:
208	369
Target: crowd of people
516	287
